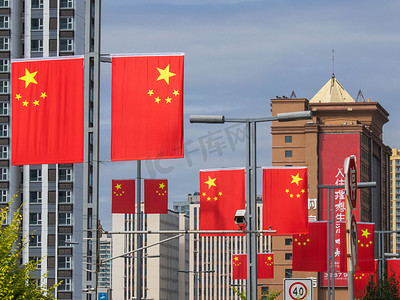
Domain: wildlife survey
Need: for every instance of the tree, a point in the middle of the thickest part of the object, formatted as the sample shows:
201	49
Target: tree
242	295
16	281
383	289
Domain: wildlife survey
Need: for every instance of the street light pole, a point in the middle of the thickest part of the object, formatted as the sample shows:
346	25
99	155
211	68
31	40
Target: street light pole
251	181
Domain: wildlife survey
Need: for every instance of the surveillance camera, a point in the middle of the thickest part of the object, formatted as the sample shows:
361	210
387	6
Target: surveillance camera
240	217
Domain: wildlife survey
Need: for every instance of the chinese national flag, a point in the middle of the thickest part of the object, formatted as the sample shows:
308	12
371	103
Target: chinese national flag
393	269
361	280
156	196
239	266
147	107
123	196
309	250
222	193
366	237
265	265
47	111
285	200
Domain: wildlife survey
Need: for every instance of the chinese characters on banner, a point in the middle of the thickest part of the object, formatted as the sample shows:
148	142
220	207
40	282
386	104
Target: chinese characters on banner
332	173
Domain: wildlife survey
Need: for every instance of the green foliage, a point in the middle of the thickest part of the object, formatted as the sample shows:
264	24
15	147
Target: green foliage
242	295
16	281
383	289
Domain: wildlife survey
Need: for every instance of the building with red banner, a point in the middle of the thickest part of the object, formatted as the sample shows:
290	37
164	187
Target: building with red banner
340	127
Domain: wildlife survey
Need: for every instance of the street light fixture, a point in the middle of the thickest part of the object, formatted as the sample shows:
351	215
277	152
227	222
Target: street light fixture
251	180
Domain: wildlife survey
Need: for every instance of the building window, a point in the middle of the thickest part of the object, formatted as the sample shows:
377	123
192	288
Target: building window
64	240
35	175
65	196
3	196
37	3
4	43
4	87
288	273
4	22
64	218
66	3
288	256
67	23
35	197
3	152
37	45
64	262
4	3
3	174
65	284
4	108
288	153
67	45
65	174
288	242
35	241
37	24
4	65
37	260
35	219
288	139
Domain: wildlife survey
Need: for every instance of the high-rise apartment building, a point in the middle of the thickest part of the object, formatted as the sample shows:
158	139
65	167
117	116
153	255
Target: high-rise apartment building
395	198
340	127
164	264
104	280
59	200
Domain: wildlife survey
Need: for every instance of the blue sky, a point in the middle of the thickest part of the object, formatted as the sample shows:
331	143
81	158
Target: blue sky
240	54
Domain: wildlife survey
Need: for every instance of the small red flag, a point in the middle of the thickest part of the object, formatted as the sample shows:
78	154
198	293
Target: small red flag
147	107
366	238
239	266
222	193
47	111
309	250
156	196
361	280
265	265
123	196
285	200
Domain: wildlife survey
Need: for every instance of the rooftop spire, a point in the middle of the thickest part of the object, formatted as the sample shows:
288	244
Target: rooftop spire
333	63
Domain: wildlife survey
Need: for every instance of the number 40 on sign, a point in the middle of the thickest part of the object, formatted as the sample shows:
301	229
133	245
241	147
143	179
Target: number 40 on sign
297	289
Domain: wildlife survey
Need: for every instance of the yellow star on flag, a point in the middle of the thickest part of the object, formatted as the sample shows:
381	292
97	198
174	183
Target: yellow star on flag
25	103
365	233
161	185
28	78
18	96
36	102
43	95
150	92
211	182
118	186
168	100
165	74
176	93
296	179
157	100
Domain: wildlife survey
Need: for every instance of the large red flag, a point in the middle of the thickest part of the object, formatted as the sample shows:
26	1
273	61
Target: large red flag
265	265
393	269
156	196
222	193
239	266
366	238
47	111
309	250
285	200
361	280
147	107
123	196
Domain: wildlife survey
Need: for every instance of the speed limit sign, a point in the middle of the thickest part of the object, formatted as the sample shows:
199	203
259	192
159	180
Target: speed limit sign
296	289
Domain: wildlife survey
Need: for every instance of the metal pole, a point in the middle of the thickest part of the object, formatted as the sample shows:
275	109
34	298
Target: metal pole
333	241
196	285
139	228
329	242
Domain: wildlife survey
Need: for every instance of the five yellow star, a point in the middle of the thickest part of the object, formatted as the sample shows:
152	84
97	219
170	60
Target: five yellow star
43	95
25	103
176	93
165	74
296	179
18	96
210	182
168	100
28	78
36	102
150	92
162	185
118	186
